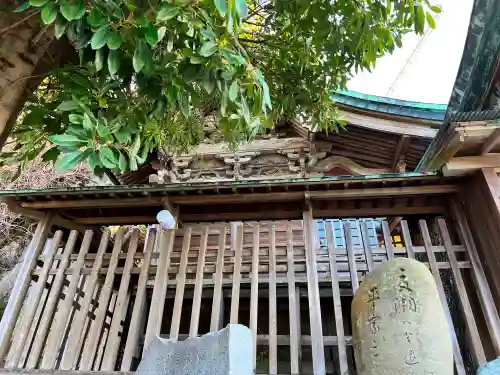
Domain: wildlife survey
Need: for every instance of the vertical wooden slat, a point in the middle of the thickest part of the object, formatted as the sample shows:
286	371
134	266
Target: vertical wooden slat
318	353
216	302
462	293
198	287
165	245
179	289
120	309
388	240
273	313
133	331
33	331
479	277
435	272
31	304
70	354
254	289
366	246
22	283
56	334
89	350
407	239
337	306
103	338
351	259
292	303
51	303
235	295
299	326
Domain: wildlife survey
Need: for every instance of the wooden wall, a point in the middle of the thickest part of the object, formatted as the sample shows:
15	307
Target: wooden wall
480	201
79	308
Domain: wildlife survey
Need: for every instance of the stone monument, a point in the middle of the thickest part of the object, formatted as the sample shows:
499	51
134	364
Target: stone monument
399	327
227	352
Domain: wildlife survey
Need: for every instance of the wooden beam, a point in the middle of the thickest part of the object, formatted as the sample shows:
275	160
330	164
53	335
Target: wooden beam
492	141
237	198
400	152
383	192
463	165
96	203
378	211
57	220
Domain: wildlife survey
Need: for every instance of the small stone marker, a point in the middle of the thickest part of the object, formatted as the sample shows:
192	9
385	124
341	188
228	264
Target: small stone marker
399	326
227	352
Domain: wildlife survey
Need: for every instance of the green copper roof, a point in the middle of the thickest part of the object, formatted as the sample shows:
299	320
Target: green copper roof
479	60
428	111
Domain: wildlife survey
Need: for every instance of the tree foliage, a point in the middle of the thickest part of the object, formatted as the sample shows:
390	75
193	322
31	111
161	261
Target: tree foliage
150	70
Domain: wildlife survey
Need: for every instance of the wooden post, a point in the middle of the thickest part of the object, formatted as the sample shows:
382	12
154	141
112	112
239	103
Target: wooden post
479	277
217	299
198	288
254	290
313	294
459	362
179	288
165	245
31	305
21	285
339	324
140	298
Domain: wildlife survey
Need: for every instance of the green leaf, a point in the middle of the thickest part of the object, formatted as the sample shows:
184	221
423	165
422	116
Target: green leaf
51	154
67	106
161	33
233	91
94	160
114	62
167	12
436	9
75	119
66	140
37	3
49	13
22	7
73	10
87	122
420	18
207	82
266	96
122	163
133	163
114	41
99	59
141	55
151	35
208	33
221	6
241	8
208	48
430	20
59	28
71	160
95	18
100	37
197	60
136	146
107	157
142	21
